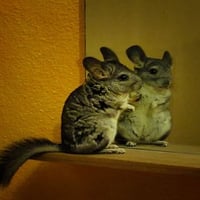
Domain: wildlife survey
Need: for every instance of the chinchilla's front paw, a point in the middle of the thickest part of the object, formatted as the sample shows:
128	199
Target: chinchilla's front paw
130	107
134	96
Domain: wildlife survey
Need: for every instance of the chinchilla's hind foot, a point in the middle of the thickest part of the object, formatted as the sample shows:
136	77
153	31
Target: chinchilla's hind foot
113	149
160	143
130	144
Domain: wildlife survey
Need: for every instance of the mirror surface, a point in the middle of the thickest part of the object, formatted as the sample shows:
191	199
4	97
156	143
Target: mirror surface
156	26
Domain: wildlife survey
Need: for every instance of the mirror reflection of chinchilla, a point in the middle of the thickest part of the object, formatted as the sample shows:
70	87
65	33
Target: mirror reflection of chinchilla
156	27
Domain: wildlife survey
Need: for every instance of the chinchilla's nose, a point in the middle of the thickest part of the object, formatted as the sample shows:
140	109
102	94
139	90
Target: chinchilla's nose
166	83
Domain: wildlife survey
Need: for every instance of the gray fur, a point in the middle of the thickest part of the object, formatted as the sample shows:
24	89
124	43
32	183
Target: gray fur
89	117
94	108
150	123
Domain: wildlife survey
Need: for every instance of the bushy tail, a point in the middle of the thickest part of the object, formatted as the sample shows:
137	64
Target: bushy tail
17	153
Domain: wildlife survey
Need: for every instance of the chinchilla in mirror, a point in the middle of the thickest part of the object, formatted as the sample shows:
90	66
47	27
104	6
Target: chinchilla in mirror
150	123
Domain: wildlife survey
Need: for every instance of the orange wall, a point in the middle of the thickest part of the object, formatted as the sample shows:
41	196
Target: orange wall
41	47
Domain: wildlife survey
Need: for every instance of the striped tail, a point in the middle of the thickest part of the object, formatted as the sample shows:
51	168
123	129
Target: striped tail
13	157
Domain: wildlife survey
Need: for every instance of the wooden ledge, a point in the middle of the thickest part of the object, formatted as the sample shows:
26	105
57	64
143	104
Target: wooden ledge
138	159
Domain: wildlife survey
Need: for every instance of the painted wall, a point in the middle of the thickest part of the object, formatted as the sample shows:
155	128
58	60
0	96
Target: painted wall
41	50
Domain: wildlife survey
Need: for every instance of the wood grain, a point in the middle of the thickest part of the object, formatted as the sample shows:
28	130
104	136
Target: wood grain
138	159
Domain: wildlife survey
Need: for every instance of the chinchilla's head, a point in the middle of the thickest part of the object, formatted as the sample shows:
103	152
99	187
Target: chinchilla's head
111	74
153	71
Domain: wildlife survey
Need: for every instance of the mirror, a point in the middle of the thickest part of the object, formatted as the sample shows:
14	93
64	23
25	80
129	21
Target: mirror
156	26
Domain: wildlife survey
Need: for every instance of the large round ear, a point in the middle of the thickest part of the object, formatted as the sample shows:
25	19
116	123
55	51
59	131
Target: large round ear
95	68
108	54
167	58
136	55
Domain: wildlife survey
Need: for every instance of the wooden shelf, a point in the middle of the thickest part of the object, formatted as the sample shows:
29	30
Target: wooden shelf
141	158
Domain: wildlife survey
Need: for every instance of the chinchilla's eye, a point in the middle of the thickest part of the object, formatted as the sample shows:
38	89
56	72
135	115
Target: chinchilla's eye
123	77
153	71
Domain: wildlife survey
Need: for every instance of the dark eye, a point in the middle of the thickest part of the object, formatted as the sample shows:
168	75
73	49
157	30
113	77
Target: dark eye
123	77
153	71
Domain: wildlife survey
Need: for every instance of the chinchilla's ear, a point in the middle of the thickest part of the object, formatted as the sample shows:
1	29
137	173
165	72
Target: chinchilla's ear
108	54
96	68
167	58
136	55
